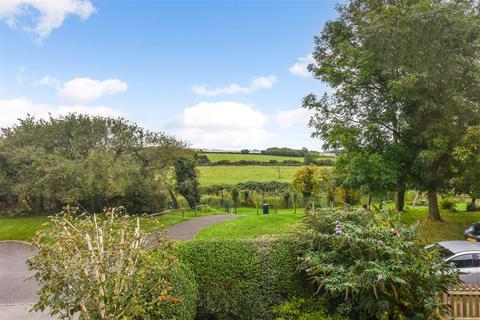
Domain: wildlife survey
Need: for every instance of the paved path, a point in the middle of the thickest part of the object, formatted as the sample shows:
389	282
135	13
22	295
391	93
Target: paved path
188	229
17	294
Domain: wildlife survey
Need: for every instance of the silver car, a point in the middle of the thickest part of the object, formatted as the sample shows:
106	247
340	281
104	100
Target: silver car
465	255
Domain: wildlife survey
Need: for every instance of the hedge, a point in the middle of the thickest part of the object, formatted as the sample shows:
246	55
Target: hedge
183	286
242	278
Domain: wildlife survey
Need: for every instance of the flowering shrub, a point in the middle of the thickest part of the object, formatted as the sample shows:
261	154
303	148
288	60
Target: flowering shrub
368	267
101	267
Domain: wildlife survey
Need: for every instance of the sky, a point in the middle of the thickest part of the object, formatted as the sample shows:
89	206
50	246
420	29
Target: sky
217	74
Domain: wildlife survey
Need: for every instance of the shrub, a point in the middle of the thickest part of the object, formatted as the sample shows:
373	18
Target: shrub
471	207
101	267
448	204
367	265
302	309
241	278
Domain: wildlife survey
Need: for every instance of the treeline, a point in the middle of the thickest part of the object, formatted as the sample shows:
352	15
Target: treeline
287	152
92	162
203	160
266	187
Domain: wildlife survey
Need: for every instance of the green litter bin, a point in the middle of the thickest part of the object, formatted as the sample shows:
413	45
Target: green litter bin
266	208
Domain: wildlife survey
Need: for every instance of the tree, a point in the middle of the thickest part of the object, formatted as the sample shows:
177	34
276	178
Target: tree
306	181
235	195
187	183
95	162
467	180
369	173
308	158
105	267
404	78
245	151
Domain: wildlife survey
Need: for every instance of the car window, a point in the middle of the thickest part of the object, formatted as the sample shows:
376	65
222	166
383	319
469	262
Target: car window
476	261
463	261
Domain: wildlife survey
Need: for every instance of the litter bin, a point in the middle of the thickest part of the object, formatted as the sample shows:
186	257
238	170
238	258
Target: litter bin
266	208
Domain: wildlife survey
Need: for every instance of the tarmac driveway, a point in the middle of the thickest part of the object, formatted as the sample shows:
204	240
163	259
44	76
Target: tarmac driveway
16	293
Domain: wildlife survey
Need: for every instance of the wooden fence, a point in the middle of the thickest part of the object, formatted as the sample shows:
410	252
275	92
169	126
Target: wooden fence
464	302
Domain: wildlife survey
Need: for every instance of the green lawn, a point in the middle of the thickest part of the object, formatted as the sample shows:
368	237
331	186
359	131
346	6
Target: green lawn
20	228
211	175
25	228
215	157
452	228
249	224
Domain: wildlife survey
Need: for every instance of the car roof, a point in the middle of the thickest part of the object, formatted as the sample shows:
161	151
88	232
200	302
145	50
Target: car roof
460	246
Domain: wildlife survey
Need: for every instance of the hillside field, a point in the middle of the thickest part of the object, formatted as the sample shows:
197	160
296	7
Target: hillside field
211	175
215	157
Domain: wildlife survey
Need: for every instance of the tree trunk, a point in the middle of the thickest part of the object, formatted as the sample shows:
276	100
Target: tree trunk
433	210
400	200
369	201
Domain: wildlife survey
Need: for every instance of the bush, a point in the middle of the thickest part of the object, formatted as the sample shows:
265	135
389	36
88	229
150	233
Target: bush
185	288
241	278
471	207
102	267
302	309
367	265
448	204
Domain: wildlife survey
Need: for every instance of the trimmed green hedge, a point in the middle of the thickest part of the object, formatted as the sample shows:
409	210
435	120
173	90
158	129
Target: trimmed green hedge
242	278
184	287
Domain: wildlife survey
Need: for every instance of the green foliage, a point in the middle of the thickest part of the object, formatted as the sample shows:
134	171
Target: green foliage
92	161
370	173
287	152
245	151
235	195
102	267
243	278
448	204
187	183
306	180
400	90
303	309
249	157
468	156
185	288
471	207
367	266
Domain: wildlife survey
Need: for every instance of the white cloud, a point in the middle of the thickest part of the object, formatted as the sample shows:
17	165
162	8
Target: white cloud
13	109
255	85
49	81
289	118
42	16
222	124
300	67
83	90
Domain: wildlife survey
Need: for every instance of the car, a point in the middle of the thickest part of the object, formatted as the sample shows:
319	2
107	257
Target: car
465	255
473	233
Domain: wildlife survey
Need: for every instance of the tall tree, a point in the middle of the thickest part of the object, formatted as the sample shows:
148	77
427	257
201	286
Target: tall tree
404	78
187	183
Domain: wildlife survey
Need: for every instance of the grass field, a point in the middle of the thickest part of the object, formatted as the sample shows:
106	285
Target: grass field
215	157
249	224
452	228
25	228
235	174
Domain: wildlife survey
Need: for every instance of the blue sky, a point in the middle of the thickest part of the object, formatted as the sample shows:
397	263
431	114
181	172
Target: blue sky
223	75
